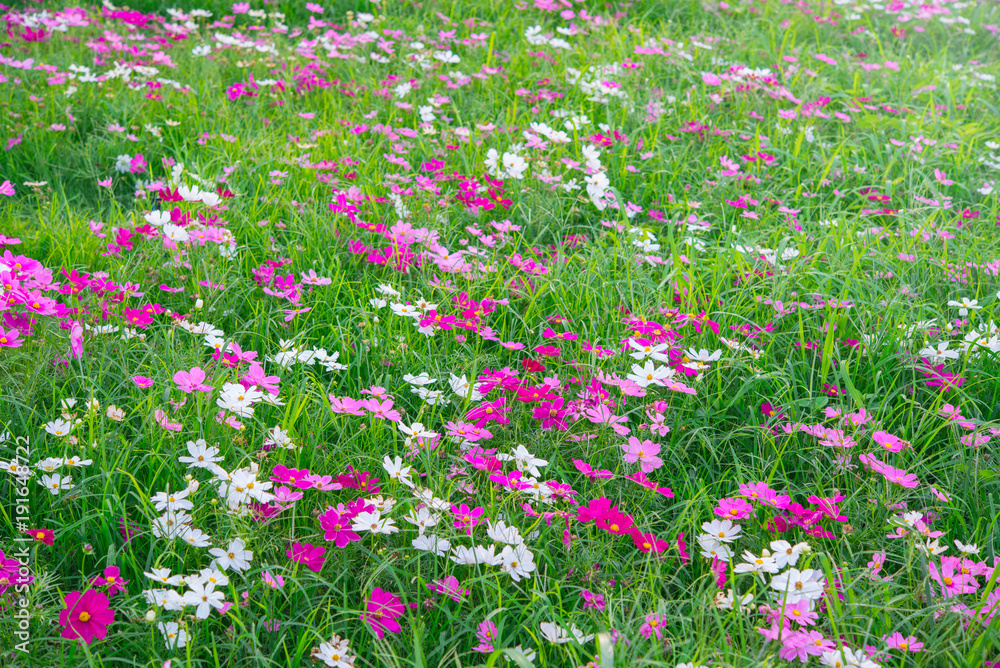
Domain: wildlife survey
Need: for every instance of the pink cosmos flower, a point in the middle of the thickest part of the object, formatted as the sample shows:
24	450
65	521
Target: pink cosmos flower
486	634
803	644
112	580
346	405
381	611
652	625
382	409
907	644
900	477
450	587
86	616
142	381
10	339
489	411
734	509
616	522
337	528
951	578
710	80
551	414
888	441
591	473
465	518
594	510
192	381
647	542
273	581
294	477
760	492
643	452
640	478
801	613
44	536
163	420
311	556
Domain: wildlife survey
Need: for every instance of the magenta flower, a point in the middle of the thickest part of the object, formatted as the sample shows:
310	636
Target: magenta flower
592	600
112	580
86	616
647	542
307	554
594	510
591	473
888	441
142	381
138	164
488	411
771	411
465	518
293	477
450	587
192	381
337	528
615	522
381	611
551	414
45	536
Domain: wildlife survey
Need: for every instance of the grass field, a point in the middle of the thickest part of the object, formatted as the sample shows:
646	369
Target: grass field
552	333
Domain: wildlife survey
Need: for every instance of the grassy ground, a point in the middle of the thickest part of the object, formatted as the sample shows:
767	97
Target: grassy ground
778	208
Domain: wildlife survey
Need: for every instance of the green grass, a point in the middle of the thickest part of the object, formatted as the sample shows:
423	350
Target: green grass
854	138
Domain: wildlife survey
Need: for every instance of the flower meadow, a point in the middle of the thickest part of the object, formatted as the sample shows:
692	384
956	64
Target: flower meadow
520	333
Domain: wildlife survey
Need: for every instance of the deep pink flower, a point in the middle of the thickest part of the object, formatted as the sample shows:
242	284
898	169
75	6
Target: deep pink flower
465	518
307	554
293	477
551	414
381	611
489	410
594	510
647	542
615	522
592	600
44	536
142	381
112	580
585	468
337	528
86	616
